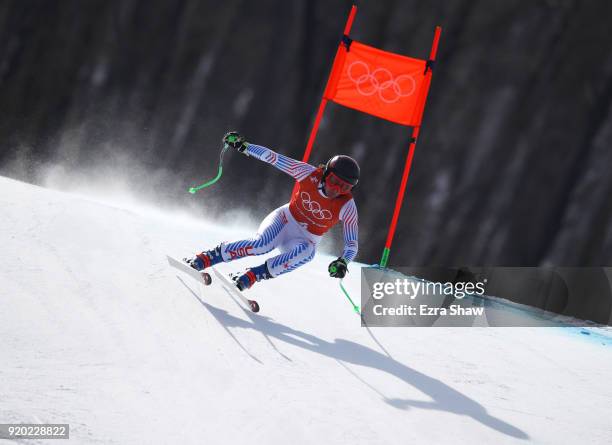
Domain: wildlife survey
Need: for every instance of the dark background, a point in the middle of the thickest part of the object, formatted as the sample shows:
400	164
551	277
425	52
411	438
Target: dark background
512	166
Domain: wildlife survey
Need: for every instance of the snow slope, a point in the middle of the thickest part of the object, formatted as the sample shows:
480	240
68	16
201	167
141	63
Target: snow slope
98	332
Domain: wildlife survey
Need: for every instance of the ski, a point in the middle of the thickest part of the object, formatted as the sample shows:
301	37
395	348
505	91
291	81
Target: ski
206	279
200	276
251	304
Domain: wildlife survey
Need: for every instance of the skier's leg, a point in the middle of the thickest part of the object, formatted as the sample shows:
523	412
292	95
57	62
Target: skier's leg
267	237
299	253
265	240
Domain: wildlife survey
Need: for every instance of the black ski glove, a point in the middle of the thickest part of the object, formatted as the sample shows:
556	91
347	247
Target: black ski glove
237	141
337	268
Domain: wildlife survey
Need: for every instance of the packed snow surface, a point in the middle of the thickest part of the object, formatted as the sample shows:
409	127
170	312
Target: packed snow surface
97	331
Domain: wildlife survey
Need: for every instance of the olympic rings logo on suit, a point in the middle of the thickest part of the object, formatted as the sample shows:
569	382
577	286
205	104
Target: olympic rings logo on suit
389	89
314	207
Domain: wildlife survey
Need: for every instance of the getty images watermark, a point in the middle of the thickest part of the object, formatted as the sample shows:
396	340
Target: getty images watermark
411	288
390	299
485	296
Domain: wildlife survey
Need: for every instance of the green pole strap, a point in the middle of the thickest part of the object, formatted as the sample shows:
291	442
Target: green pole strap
385	257
355	307
192	190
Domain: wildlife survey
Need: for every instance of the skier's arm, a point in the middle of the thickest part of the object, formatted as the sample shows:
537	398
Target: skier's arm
298	170
348	216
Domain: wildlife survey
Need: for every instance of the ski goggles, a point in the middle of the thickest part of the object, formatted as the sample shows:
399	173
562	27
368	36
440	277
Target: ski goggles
337	184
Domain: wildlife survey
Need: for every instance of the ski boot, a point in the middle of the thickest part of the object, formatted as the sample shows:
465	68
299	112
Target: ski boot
205	260
246	280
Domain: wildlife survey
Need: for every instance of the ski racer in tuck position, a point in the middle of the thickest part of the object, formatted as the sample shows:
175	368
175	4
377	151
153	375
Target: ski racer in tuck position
321	199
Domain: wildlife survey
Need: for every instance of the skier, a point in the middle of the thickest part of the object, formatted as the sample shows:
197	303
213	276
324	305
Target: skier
322	198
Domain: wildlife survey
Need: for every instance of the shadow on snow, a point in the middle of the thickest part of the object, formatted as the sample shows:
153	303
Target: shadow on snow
444	398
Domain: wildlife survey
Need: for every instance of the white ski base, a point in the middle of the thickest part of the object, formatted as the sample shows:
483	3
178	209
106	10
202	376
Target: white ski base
180	265
233	288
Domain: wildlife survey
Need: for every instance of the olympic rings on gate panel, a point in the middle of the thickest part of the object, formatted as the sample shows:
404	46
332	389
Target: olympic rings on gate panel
381	81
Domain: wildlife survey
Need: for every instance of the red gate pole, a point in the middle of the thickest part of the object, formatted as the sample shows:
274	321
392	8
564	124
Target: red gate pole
400	196
319	116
